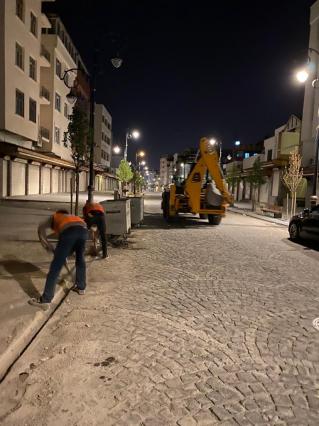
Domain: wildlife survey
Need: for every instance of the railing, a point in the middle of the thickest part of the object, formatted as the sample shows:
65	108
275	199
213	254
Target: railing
44	93
45	133
45	53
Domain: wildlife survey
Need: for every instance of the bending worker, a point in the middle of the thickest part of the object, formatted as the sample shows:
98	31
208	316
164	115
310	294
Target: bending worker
94	215
72	234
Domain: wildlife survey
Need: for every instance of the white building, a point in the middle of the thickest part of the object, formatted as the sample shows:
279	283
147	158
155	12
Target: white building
55	108
167	169
34	53
102	136
21	60
311	99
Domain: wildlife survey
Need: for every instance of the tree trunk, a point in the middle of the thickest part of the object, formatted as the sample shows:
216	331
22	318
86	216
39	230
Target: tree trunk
76	209
287	206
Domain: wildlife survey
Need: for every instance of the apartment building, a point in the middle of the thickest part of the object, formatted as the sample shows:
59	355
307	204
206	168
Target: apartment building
21	60
102	136
55	108
35	51
274	157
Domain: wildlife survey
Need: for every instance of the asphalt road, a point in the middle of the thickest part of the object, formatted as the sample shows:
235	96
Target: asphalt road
189	324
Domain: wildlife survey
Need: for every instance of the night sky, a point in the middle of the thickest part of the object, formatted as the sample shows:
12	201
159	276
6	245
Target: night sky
192	69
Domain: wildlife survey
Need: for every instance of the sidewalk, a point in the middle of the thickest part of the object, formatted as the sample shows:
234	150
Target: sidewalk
23	268
62	197
244	208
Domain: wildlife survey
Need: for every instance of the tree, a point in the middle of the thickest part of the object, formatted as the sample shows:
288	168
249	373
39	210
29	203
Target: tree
233	178
125	174
292	177
77	138
256	179
138	181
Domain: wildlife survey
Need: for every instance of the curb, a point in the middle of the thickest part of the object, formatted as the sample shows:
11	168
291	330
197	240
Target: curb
20	343
256	216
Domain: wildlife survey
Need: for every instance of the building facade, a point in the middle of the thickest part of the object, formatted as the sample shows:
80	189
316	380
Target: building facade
35	50
102	136
274	157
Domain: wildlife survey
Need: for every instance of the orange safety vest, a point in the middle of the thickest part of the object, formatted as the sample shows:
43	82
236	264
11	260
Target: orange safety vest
96	207
60	220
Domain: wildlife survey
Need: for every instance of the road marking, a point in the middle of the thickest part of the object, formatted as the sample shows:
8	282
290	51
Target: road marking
315	323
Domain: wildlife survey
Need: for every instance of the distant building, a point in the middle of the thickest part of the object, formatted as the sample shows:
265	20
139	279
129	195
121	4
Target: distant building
167	164
102	136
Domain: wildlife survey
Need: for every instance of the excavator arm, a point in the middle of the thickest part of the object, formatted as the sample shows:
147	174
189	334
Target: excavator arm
207	161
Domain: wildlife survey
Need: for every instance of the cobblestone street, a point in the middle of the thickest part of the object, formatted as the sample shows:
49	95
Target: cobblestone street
189	325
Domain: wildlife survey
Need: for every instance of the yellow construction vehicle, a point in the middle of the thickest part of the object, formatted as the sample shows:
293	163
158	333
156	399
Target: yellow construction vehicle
190	197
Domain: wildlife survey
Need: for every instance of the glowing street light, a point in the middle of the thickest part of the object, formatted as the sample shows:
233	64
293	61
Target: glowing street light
117	150
302	76
237	143
212	142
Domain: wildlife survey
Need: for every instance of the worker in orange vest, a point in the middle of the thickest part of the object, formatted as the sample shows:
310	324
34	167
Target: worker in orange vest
93	214
72	234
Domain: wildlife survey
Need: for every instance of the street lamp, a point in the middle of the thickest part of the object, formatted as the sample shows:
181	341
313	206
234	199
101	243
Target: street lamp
134	134
73	95
116	149
140	154
302	76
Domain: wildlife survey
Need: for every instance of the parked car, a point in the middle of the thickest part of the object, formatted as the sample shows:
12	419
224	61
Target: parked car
305	224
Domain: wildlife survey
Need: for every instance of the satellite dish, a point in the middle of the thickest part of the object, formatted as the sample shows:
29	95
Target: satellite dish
116	62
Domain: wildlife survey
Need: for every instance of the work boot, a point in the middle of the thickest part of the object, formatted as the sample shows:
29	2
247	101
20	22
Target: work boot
38	302
79	291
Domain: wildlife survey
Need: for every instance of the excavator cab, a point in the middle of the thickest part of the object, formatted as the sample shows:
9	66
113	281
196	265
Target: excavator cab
191	195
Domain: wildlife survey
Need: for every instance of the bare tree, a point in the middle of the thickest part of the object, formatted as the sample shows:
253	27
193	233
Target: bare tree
77	138
292	177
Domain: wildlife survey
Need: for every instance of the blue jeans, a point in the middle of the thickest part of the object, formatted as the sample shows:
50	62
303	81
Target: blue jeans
71	240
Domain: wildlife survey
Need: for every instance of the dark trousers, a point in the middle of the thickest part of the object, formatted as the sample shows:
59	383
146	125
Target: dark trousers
71	240
98	219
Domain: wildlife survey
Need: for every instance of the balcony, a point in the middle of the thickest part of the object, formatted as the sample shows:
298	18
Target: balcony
44	96
44	134
45	57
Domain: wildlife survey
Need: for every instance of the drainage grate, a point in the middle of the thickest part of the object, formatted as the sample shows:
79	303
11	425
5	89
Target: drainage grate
315	323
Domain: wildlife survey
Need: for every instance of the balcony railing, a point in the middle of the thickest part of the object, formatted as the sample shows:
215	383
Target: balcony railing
45	53
44	93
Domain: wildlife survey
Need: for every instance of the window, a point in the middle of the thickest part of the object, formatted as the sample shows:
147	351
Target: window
19	56
66	115
19	103
20	9
269	155
33	69
58	68
32	110
57	102
246	155
108	140
56	135
33	24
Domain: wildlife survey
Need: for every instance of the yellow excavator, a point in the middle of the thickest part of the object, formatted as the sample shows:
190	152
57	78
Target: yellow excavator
190	197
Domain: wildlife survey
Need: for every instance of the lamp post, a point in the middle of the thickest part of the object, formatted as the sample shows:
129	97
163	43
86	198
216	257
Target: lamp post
302	76
134	134
73	95
140	154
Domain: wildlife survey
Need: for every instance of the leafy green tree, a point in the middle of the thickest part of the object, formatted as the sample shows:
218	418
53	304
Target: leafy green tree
138	181
77	138
256	179
125	174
